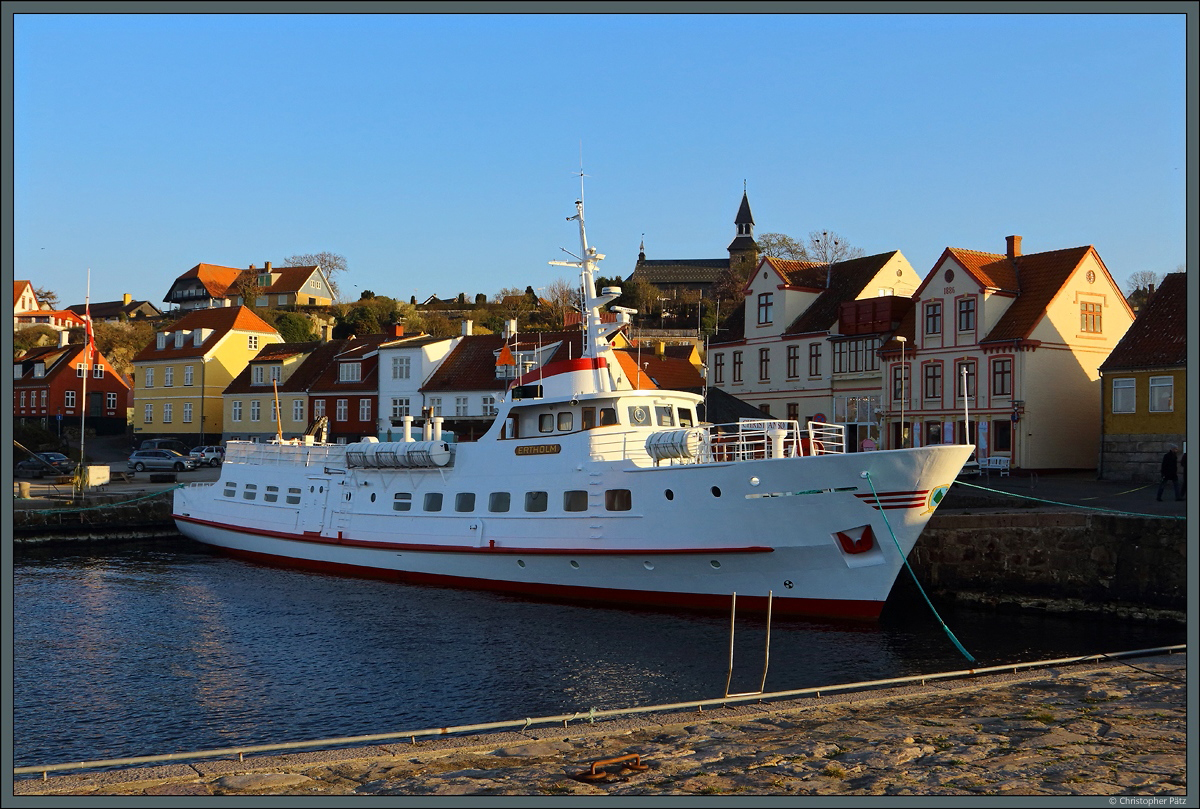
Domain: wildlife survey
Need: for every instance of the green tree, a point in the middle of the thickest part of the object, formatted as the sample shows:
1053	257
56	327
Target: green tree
294	327
780	245
33	337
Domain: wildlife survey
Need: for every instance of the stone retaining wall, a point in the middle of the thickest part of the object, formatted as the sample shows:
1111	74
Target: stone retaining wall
52	521
1136	458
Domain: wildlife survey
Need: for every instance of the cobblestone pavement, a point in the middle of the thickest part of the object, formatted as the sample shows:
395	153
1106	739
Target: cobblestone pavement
1113	728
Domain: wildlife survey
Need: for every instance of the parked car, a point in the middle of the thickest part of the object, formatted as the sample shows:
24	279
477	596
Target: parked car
165	443
35	468
144	459
208	456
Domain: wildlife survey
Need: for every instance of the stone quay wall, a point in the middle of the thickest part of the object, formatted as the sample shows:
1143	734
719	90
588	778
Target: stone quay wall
44	522
1137	458
1108	561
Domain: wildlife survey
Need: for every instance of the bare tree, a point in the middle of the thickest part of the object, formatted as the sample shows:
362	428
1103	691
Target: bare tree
46	296
780	245
1142	279
827	247
331	263
563	296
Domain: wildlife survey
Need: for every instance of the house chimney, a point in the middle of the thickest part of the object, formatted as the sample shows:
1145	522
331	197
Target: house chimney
128	298
398	330
268	266
63	338
1014	246
660	348
252	266
468	327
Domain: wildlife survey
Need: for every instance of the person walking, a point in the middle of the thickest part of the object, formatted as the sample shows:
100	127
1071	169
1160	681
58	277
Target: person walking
1169	471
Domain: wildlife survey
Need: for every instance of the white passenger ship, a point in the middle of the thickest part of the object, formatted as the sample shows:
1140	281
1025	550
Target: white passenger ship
586	487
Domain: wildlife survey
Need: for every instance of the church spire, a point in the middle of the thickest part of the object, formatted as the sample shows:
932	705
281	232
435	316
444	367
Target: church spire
743	250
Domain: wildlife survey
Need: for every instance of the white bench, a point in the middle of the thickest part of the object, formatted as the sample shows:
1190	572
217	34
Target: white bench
996	462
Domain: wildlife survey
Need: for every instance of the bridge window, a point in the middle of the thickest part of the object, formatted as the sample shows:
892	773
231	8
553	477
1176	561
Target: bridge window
566	421
546	423
666	418
608	416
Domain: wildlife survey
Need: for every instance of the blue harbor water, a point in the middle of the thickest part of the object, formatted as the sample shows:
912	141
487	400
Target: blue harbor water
144	649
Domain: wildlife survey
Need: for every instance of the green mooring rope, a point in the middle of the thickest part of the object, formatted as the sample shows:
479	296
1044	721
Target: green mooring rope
103	505
904	556
1074	505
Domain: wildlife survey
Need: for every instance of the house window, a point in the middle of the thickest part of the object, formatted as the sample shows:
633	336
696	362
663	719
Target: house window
39	369
933	318
237	411
187	412
793	361
168	412
187	375
460	405
350	372
1002	377
765	408
958	379
22	399
259	375
1001	435
1124	395
160	340
814	359
69	398
401	367
764	364
298	410
933	381
489	405
111	401
737	366
252	342
342	410
149	378
274	411
364	409
45	393
179	339
318	408
148	414
399	407
1162	394
1089	318
765	303
966	314
255	410
168	377
97	371
435	405
276	373
793	411
900	385
80	370
718	369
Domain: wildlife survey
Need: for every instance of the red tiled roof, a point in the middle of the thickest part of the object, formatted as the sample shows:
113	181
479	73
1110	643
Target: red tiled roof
216	279
221	319
470	366
847	279
670	373
1039	277
290	280
1158	338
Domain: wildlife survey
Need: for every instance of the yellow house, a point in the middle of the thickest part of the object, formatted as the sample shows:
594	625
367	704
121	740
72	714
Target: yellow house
1004	351
181	376
1144	392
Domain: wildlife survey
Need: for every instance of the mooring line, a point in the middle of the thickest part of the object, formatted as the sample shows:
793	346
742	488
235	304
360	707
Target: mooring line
1073	505
102	505
904	557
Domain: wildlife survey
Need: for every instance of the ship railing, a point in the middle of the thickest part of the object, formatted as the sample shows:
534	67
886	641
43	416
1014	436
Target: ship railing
745	440
297	454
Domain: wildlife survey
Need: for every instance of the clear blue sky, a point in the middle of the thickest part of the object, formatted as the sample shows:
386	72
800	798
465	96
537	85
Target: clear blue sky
440	154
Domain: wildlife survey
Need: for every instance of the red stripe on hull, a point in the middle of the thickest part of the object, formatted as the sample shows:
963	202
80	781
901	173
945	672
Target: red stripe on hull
314	537
802	607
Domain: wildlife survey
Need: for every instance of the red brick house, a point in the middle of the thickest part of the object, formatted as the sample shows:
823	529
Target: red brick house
48	384
347	390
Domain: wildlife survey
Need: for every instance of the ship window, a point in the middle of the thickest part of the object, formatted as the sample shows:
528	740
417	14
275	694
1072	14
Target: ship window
575	501
498	501
638	415
293	496
464	501
433	501
536	501
608	416
546	423
566	421
618	500
230	489
665	417
250	492
272	494
402	501
589	418
685	417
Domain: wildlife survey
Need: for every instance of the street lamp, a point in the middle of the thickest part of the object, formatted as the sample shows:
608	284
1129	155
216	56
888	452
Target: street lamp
902	340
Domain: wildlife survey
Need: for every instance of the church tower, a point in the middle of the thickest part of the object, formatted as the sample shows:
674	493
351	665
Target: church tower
743	250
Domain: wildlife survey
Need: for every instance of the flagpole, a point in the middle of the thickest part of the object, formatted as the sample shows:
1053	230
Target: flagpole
81	477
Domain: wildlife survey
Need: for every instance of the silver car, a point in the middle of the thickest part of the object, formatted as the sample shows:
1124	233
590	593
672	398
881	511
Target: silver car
144	459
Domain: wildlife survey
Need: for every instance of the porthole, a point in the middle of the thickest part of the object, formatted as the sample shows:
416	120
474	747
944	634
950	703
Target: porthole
715	564
716	491
520	563
574	564
648	565
670	494
372	497
754	481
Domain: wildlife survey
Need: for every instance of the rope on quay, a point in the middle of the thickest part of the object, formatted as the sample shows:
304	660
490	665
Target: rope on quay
103	505
912	573
1075	505
592	714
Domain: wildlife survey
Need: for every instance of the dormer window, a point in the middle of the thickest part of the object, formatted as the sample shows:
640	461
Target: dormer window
161	340
259	374
17	372
179	339
264	280
765	304
350	372
197	337
39	369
